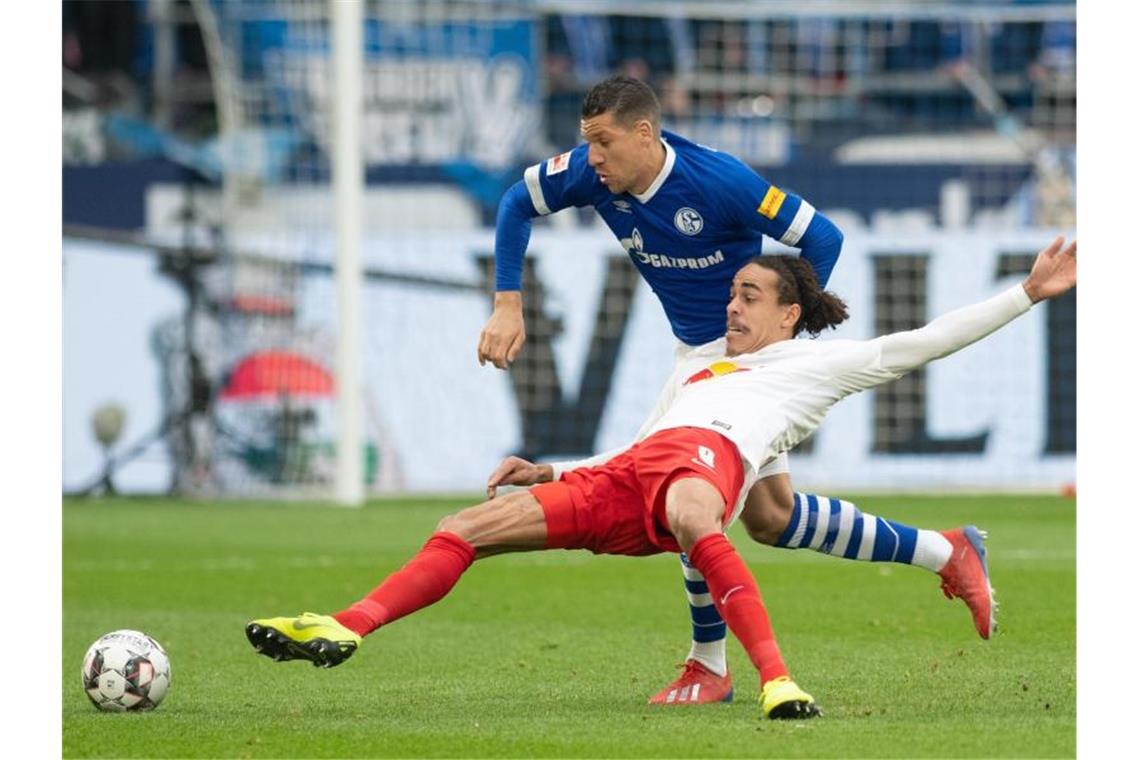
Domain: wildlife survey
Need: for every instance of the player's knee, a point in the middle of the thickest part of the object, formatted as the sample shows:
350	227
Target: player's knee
691	517
693	508
766	515
762	533
450	524
461	523
478	524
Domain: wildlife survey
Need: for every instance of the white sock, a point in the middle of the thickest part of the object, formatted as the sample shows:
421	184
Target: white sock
711	655
932	550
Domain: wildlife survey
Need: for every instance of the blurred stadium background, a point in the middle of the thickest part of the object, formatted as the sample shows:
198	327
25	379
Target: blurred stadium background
200	303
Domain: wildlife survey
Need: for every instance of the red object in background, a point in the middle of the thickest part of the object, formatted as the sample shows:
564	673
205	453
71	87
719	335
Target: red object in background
277	373
266	305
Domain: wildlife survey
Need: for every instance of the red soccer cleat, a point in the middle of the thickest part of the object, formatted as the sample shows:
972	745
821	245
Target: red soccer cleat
697	685
967	577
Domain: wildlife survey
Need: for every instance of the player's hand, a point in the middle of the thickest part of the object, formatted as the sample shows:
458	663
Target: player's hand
1054	271
516	471
504	334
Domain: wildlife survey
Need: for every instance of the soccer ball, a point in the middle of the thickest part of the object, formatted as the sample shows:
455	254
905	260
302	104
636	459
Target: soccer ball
126	670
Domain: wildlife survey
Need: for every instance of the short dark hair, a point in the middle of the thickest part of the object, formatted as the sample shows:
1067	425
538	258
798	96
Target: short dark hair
819	308
628	99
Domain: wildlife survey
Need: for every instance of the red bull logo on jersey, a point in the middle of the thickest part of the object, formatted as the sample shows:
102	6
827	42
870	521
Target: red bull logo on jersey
716	369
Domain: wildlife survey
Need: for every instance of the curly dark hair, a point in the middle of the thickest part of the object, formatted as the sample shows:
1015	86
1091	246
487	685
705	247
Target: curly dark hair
628	99
820	309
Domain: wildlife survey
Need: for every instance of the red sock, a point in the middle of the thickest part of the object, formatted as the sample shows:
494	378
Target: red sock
737	599
424	580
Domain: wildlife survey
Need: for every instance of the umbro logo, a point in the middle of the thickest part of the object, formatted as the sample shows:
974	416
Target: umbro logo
622	206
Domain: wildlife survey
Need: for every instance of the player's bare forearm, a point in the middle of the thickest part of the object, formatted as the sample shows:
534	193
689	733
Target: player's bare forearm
508	299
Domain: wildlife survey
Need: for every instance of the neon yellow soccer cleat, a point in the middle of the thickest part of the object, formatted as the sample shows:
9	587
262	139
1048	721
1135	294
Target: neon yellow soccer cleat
320	639
780	698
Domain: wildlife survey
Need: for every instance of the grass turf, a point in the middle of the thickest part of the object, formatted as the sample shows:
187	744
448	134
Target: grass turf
554	654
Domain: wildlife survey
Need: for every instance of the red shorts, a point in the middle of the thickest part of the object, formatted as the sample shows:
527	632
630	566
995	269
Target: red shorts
619	507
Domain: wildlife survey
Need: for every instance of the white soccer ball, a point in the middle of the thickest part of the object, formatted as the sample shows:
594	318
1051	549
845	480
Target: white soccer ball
126	670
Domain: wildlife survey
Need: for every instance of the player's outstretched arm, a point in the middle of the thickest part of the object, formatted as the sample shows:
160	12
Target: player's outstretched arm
516	471
1054	273
664	401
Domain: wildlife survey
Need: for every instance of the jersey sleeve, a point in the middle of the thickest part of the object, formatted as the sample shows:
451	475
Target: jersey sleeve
763	207
860	365
560	182
905	351
664	401
512	235
560	467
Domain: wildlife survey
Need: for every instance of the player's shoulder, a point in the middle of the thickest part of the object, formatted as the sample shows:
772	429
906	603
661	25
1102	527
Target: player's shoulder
704	155
570	172
720	176
806	346
702	352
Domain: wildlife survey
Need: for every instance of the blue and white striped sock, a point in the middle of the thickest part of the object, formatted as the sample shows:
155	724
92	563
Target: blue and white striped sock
836	527
709	629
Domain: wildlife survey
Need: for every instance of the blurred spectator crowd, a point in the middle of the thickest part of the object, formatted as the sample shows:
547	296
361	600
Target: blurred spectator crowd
824	75
858	74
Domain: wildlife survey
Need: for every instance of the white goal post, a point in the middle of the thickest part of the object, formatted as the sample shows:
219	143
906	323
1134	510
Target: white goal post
348	186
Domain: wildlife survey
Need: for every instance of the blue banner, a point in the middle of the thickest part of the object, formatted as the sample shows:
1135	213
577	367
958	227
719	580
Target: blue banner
434	94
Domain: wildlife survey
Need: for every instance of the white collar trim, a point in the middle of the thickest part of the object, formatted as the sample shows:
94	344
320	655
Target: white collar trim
670	158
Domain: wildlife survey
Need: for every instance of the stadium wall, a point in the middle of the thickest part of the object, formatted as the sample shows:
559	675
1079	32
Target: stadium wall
999	415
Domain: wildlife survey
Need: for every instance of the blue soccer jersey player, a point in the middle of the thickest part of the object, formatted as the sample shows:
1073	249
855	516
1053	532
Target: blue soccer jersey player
690	217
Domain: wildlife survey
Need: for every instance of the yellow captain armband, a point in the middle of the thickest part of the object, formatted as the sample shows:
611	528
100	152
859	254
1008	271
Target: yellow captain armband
772	202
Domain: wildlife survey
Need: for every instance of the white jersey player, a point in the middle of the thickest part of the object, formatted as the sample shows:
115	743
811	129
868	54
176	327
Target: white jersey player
765	393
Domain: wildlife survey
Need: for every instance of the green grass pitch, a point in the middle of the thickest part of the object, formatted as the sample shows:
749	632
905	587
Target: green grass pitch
554	654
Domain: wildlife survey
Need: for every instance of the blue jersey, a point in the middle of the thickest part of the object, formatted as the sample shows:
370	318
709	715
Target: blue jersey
701	219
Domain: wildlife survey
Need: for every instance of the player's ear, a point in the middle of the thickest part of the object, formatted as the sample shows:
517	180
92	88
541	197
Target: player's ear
644	129
791	316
